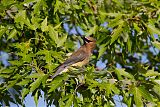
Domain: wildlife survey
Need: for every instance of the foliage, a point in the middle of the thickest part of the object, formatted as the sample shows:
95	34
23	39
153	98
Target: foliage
128	42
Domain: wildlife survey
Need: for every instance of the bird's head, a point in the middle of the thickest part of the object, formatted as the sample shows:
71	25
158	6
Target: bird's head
89	39
90	42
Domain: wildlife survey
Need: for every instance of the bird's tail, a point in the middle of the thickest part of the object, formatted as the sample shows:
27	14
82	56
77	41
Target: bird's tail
58	70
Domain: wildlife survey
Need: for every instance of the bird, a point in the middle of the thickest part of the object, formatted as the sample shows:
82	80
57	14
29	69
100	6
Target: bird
79	57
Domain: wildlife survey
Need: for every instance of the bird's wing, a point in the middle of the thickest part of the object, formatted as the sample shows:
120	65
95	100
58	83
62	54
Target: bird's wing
78	56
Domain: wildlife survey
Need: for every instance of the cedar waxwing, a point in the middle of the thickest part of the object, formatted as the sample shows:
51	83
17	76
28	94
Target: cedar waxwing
79	57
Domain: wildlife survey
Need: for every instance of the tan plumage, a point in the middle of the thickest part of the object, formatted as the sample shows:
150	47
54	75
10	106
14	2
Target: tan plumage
79	57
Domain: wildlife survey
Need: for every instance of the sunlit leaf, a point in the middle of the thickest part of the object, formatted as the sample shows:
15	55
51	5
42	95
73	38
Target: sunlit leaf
152	29
156	44
34	75
145	94
157	81
53	34
62	41
6	71
137	97
44	80
70	100
110	14
36	83
57	26
108	89
36	98
118	72
118	3
11	84
12	34
44	26
92	30
37	6
136	27
24	82
129	44
152	73
156	89
25	91
102	50
2	31
57	82
116	32
126	74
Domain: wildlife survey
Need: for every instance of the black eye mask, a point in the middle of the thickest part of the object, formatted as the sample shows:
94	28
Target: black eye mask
86	40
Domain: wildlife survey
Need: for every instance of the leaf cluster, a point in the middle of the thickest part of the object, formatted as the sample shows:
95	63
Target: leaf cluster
34	35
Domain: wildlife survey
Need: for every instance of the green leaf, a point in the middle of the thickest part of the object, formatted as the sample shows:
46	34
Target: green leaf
2	31
55	86
108	89
25	91
16	62
129	44
53	34
110	14
125	74
6	71
156	89
152	73
37	6
11	83
36	98
28	23
58	26
102	50
92	30
62	41
44	26
127	99
156	44
136	27
48	57
137	97
34	75
57	82
116	32
4	75
115	89
118	3
23	82
42	52
157	81
23	19
20	17
29	1
45	77
145	94
115	22
75	102
36	83
35	22
70	100
152	29
12	34
118	73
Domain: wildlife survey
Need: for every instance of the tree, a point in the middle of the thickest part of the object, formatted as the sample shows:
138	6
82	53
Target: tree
34	34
